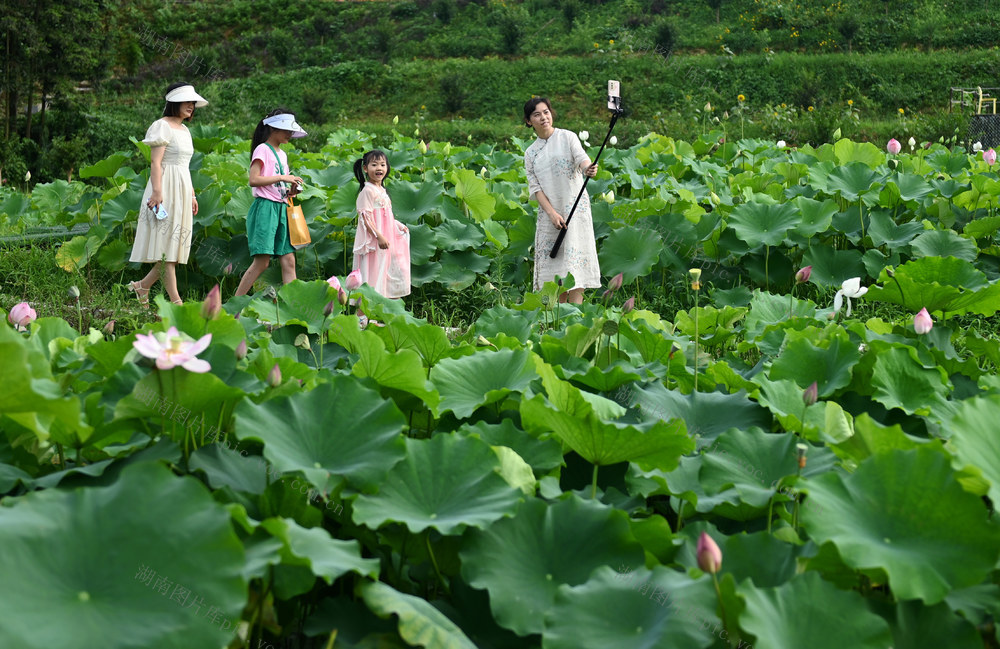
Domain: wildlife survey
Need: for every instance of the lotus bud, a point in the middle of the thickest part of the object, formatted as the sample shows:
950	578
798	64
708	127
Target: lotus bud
606	294
781	144
395	120
609	197
613	140
629	305
241	350
21	315
890	272
416	132
709	554
274	376
353	280
922	322
333	282
673	350
228	270
74	293
328	309
616	282
893	146
484	173
109	328
990	156
725	115
714	198
212	305
911	142
802	276
27	176
584	135
423	147
708	107
811	394
836	134
545	300
302	342
342	295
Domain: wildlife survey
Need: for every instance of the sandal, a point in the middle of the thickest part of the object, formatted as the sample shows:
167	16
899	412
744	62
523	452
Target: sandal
177	301
142	294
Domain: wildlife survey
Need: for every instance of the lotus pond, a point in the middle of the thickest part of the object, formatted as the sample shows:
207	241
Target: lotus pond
543	477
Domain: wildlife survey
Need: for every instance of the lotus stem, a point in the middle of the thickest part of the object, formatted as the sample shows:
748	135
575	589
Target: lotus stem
767	259
437	571
695	391
861	216
722	607
593	484
333	637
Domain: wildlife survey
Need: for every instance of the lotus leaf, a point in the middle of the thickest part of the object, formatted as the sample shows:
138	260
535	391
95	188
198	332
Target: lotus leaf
447	482
470	382
905	512
544	546
420	624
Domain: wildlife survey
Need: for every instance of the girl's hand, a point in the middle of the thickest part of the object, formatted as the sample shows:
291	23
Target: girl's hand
591	171
194	206
154	199
558	221
383	243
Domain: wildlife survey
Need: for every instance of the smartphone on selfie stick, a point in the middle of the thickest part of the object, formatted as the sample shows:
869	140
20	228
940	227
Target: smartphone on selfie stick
615	106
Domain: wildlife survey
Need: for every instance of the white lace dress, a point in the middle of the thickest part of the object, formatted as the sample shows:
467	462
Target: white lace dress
553	166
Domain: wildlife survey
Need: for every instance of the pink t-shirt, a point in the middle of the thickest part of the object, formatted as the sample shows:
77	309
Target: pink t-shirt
270	168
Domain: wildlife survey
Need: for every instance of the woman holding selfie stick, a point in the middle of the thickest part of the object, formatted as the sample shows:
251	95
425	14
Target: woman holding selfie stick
166	213
555	164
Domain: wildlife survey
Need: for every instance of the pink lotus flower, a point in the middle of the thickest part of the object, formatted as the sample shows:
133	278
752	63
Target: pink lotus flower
615	283
212	304
353	280
922	322
802	276
172	349
228	269
21	315
334	282
811	394
709	554
990	156
893	146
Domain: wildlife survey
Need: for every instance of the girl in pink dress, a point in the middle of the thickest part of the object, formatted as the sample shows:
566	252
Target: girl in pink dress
382	244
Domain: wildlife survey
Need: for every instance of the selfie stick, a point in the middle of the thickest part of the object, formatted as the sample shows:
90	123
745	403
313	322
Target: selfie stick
616	112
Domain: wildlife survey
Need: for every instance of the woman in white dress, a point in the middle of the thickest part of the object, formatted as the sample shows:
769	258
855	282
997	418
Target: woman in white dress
166	213
555	164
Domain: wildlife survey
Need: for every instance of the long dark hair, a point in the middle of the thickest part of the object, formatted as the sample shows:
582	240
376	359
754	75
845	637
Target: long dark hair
173	108
263	131
362	162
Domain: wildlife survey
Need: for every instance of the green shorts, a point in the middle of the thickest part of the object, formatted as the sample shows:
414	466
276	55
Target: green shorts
267	228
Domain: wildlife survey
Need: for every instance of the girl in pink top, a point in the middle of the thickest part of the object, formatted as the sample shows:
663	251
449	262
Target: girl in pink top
382	244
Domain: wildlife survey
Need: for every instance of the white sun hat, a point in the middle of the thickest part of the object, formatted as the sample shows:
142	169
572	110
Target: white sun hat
285	122
186	93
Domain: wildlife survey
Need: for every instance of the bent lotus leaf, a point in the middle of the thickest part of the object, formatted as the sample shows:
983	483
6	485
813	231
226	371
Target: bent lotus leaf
809	612
544	546
935	283
410	202
483	378
944	243
420	624
447	482
610	611
827	362
327	557
298	436
905	512
974	441
900	381
174	541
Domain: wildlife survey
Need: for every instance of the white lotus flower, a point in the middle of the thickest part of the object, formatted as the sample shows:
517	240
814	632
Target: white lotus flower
781	144
613	140
911	142
584	135
977	147
850	288
27	176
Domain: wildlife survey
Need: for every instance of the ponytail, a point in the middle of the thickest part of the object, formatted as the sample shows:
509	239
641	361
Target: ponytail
361	163
359	172
263	131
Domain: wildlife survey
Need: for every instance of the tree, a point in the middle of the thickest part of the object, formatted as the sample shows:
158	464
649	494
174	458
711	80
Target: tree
717	5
